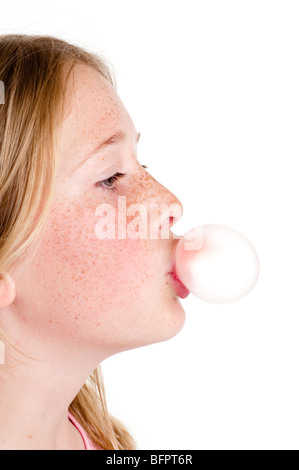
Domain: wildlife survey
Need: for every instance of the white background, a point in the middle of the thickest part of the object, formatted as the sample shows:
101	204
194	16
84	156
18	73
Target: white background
213	88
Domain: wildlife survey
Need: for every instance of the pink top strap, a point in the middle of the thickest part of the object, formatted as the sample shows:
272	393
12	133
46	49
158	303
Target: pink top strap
88	444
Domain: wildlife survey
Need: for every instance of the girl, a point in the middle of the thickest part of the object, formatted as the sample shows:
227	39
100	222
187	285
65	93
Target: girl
69	295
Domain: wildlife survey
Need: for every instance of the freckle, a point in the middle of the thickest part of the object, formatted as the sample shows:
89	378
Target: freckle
50	321
30	436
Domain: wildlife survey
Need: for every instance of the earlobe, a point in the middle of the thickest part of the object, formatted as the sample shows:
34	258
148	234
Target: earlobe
7	290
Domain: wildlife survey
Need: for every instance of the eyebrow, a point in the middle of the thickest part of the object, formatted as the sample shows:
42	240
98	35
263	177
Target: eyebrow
117	137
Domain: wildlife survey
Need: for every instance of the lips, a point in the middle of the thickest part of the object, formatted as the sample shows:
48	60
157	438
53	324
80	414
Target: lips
180	288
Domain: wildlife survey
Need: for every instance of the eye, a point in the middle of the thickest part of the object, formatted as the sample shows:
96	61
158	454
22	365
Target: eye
109	182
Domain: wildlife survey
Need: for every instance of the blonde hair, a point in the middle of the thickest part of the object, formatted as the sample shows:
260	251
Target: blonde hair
31	68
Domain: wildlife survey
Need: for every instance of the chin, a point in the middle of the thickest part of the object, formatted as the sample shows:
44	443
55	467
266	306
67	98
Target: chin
169	324
160	324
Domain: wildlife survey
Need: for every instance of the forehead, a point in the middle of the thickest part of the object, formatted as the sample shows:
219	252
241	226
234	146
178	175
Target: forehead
93	112
90	94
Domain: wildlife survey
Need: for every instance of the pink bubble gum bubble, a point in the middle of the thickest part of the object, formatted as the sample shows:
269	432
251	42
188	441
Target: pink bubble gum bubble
216	263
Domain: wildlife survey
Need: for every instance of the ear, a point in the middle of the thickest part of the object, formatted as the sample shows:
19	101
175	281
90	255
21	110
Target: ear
7	290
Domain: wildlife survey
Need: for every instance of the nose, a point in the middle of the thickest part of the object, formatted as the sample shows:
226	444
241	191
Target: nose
170	217
164	209
170	210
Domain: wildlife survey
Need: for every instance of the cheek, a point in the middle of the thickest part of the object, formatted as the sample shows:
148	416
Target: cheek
88	277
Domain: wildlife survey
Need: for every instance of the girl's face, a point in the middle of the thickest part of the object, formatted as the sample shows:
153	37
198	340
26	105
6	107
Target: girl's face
79	288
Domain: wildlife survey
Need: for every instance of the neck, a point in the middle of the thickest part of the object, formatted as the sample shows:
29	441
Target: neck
36	389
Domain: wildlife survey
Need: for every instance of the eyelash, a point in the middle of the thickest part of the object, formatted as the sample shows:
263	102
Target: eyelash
109	182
